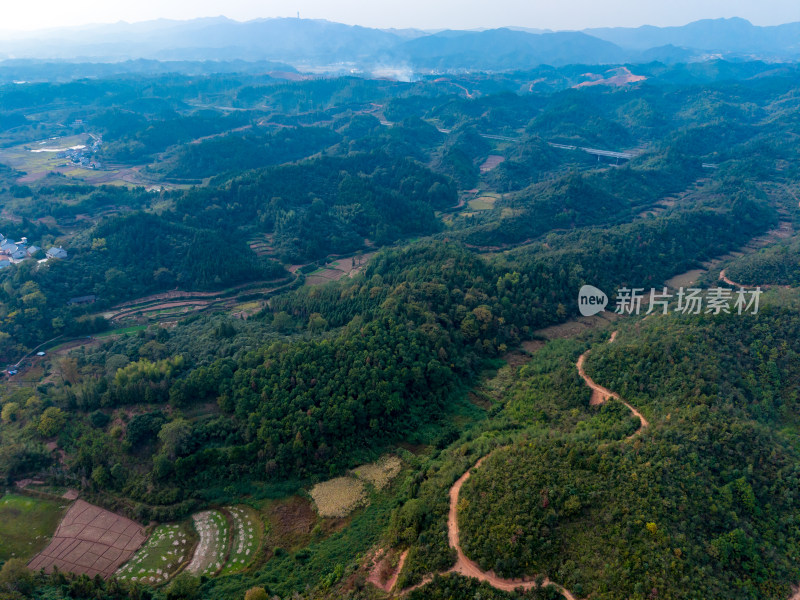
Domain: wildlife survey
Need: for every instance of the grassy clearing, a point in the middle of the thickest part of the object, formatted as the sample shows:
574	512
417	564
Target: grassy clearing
160	558
381	472
212	551
338	497
482	203
121	331
27	524
247	535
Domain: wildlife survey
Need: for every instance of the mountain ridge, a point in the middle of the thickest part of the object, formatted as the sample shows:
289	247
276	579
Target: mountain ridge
306	43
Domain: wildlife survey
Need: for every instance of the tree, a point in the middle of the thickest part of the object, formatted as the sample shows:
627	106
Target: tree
100	476
282	322
10	412
162	467
183	587
256	593
51	421
174	435
15	577
317	323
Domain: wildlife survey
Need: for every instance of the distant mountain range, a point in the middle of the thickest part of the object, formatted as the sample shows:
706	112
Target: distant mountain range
327	46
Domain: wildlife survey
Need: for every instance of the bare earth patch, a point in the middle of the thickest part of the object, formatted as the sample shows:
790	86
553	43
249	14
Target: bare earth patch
621	76
382	573
90	540
491	162
338	497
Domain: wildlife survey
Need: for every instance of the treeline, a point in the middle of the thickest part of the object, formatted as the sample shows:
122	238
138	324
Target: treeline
17	582
251	150
775	265
580	199
133	137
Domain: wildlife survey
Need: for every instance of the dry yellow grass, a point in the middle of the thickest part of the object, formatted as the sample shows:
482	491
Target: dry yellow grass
381	472
338	497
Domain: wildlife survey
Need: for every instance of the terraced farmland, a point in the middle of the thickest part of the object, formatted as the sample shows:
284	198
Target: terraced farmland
167	550
212	550
206	545
247	536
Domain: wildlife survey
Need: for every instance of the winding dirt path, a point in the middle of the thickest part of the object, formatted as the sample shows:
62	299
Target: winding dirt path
375	573
742	286
469	568
725	278
601	394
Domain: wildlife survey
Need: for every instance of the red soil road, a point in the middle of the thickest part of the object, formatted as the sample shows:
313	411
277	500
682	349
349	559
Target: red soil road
469	568
601	394
375	573
90	540
726	279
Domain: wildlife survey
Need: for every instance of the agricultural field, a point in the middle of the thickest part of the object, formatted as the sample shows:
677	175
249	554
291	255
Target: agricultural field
247	535
338	497
484	202
212	550
90	540
381	472
27	524
168	548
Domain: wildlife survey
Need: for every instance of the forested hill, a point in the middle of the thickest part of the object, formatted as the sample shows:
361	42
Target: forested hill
721	452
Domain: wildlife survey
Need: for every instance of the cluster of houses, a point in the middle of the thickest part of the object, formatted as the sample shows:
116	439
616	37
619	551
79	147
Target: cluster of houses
12	252
81	155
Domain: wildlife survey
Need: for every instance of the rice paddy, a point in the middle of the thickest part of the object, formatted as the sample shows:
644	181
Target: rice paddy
27	524
482	203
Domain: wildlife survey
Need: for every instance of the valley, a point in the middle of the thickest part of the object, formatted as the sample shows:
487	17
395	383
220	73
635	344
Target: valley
319	337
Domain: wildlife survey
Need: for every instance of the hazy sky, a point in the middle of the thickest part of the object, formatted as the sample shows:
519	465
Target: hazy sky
426	14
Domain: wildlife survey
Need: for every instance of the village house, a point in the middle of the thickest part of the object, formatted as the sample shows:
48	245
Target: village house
12	252
58	253
90	299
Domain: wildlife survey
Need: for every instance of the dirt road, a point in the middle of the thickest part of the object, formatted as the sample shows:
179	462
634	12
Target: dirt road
375	573
469	568
601	394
